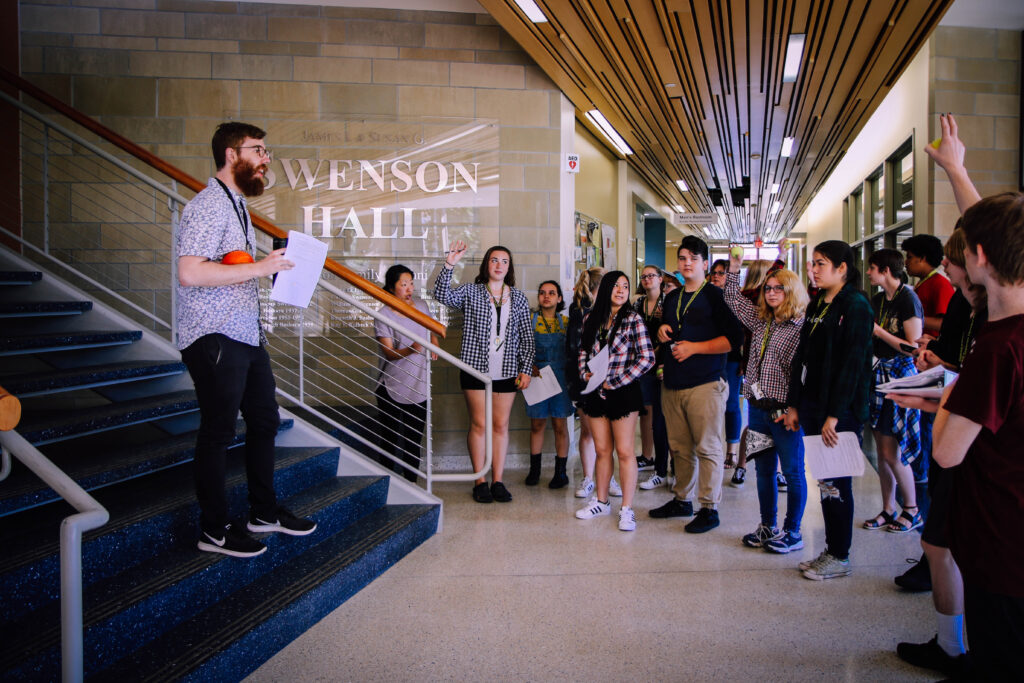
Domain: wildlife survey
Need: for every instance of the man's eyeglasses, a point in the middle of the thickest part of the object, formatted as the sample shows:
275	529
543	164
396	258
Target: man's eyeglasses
261	151
781	289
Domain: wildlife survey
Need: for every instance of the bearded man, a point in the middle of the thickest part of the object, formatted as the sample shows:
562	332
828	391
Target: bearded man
222	344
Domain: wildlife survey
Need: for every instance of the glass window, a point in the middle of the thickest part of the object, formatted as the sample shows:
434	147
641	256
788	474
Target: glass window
876	199
858	215
904	186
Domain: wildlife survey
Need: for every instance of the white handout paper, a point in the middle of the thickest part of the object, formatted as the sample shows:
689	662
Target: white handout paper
845	460
543	387
296	286
598	365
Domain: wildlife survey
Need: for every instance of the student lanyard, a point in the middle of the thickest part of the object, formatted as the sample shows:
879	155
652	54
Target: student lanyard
497	307
239	214
820	317
965	342
883	320
927	277
547	328
764	343
679	301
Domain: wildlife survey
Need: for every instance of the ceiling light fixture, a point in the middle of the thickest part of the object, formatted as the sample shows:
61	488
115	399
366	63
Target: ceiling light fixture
679	208
775	188
794	52
787	147
776	207
598	119
532	12
682	186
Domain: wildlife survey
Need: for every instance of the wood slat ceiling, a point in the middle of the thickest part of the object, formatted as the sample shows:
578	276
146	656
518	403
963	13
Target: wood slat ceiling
696	89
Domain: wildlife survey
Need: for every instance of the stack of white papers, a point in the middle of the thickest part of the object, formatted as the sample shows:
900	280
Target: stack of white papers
929	384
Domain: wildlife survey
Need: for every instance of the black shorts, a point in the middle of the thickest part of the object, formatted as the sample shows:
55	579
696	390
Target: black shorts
940	485
498	386
616	404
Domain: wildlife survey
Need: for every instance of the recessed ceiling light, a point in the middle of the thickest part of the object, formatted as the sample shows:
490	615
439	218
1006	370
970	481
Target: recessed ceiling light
787	147
671	85
755	156
682	186
679	208
531	11
776	207
775	188
598	119
794	51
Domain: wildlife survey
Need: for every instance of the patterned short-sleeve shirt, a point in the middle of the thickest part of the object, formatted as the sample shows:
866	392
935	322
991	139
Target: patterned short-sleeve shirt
211	227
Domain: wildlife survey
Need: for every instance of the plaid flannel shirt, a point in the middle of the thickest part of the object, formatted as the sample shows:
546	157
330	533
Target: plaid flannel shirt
773	373
630	354
475	303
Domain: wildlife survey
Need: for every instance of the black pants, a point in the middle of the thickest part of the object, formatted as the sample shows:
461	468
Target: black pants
230	376
401	432
836	493
995	631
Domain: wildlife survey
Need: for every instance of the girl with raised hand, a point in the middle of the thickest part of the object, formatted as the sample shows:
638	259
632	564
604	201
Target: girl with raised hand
549	331
830	387
613	406
774	324
496	341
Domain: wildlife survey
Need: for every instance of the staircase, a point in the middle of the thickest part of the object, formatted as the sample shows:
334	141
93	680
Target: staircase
114	408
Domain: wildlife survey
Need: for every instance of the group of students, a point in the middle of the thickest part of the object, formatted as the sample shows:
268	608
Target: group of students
813	357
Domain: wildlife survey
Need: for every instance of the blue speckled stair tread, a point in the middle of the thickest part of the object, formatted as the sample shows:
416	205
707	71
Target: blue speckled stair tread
77	377
322	578
24	489
17	342
132	608
43	426
9	308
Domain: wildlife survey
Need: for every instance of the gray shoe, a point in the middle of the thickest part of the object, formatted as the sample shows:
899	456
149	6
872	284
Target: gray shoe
828	568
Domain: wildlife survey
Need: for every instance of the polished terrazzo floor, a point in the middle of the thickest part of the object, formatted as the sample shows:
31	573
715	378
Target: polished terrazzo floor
526	592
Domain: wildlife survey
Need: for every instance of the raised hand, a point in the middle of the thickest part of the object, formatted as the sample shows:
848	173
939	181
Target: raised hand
455	253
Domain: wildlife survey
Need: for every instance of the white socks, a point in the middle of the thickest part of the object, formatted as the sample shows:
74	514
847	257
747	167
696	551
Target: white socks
951	634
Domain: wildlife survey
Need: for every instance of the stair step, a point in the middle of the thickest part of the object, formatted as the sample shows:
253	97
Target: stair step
19	277
136	606
23	489
148	516
245	629
32	384
36	309
43	427
14	344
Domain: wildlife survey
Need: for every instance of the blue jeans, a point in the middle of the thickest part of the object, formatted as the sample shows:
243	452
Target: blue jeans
733	417
789	449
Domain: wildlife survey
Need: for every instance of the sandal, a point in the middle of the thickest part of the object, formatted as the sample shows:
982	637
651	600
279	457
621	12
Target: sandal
905	522
880	521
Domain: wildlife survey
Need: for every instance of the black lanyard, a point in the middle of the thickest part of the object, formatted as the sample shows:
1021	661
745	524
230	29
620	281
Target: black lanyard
239	214
497	308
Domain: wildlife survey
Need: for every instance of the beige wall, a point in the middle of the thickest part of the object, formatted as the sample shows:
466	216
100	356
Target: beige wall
597	191
164	72
975	73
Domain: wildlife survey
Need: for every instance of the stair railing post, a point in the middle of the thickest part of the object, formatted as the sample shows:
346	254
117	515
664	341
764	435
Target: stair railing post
46	189
173	206
430	430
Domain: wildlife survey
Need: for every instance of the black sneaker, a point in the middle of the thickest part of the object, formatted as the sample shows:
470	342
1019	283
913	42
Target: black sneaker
500	493
930	655
482	493
673	508
284	522
739	477
917	579
643	463
233	542
706	520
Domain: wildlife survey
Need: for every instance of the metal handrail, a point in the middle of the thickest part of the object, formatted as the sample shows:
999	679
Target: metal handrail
90	515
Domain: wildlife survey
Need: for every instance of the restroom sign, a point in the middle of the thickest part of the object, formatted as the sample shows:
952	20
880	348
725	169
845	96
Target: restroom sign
572	163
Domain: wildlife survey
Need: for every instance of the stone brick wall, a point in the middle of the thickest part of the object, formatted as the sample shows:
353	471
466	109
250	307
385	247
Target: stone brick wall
163	73
975	74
